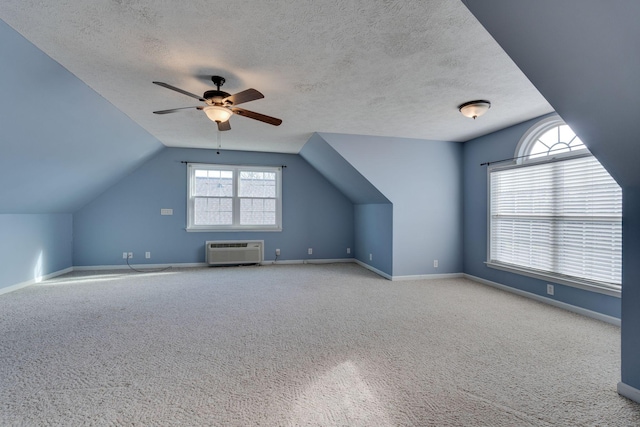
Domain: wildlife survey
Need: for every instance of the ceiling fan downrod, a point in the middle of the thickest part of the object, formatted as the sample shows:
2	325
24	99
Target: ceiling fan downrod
218	81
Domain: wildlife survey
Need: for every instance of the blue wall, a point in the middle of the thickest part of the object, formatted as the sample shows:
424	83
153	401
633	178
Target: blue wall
126	218
62	143
631	286
340	172
32	246
373	220
374	235
492	147
423	181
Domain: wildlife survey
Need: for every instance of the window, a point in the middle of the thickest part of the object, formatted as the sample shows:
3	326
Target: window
226	197
550	137
556	214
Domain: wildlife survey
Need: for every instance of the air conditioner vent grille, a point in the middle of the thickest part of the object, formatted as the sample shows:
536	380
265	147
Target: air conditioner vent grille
228	245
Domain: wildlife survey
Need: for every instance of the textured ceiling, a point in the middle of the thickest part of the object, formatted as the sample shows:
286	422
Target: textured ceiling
388	68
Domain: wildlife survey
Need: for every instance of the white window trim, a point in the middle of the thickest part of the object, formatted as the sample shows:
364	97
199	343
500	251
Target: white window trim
521	160
191	227
533	133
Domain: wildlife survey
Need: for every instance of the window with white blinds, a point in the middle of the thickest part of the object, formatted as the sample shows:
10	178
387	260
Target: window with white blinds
561	218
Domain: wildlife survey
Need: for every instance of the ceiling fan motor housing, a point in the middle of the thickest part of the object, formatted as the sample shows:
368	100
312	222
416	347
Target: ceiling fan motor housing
215	97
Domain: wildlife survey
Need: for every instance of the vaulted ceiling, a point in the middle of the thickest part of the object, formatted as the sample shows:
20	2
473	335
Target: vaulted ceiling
388	68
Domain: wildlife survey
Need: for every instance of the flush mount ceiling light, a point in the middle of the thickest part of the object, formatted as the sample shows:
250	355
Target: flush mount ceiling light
217	113
473	109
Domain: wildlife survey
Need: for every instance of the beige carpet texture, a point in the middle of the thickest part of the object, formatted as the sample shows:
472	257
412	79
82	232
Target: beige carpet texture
299	345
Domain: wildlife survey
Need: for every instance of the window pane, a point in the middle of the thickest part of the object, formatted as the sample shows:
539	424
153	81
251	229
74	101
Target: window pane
257	211
566	134
538	150
213	211
557	140
550	137
217	183
257	184
577	144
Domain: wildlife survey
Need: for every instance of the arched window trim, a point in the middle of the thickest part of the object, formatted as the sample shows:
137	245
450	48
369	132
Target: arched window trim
528	140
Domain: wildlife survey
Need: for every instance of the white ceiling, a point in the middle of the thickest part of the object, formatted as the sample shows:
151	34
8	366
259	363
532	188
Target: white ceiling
388	68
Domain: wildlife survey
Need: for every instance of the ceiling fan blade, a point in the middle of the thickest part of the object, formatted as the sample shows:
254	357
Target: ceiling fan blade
244	96
184	92
173	110
257	116
224	126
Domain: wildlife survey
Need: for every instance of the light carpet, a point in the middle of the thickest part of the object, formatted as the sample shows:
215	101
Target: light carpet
299	345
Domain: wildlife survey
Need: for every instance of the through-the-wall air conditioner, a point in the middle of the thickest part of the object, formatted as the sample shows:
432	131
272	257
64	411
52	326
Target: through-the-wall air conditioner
233	252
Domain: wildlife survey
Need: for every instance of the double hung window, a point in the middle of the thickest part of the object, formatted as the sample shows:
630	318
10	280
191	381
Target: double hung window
232	198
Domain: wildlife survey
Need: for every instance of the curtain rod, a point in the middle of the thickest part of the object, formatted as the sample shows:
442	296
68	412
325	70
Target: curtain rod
244	164
519	157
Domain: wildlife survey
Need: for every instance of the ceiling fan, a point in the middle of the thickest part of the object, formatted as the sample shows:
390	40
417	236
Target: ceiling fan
221	105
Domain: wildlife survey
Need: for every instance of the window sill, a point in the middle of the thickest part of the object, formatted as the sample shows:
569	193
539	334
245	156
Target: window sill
575	283
232	230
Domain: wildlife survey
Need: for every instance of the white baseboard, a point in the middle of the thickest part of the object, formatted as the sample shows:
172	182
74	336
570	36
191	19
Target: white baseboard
428	276
140	266
412	277
559	304
35	280
629	392
204	264
307	261
375	270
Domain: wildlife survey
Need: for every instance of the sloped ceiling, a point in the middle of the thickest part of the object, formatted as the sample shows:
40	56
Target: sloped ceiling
326	160
583	57
61	144
387	68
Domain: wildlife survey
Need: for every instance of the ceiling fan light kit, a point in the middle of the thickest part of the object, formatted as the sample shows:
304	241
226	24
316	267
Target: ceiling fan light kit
217	113
473	109
220	106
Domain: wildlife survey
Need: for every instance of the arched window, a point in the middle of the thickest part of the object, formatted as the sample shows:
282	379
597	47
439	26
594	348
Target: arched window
556	213
550	137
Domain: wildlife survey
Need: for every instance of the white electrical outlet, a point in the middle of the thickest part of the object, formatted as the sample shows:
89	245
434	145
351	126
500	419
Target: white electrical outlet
310	251
435	263
165	211
370	257
550	289
348	250
130	255
277	252
147	255
124	255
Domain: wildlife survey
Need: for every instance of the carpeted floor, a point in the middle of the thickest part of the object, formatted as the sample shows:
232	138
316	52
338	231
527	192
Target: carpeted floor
299	345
